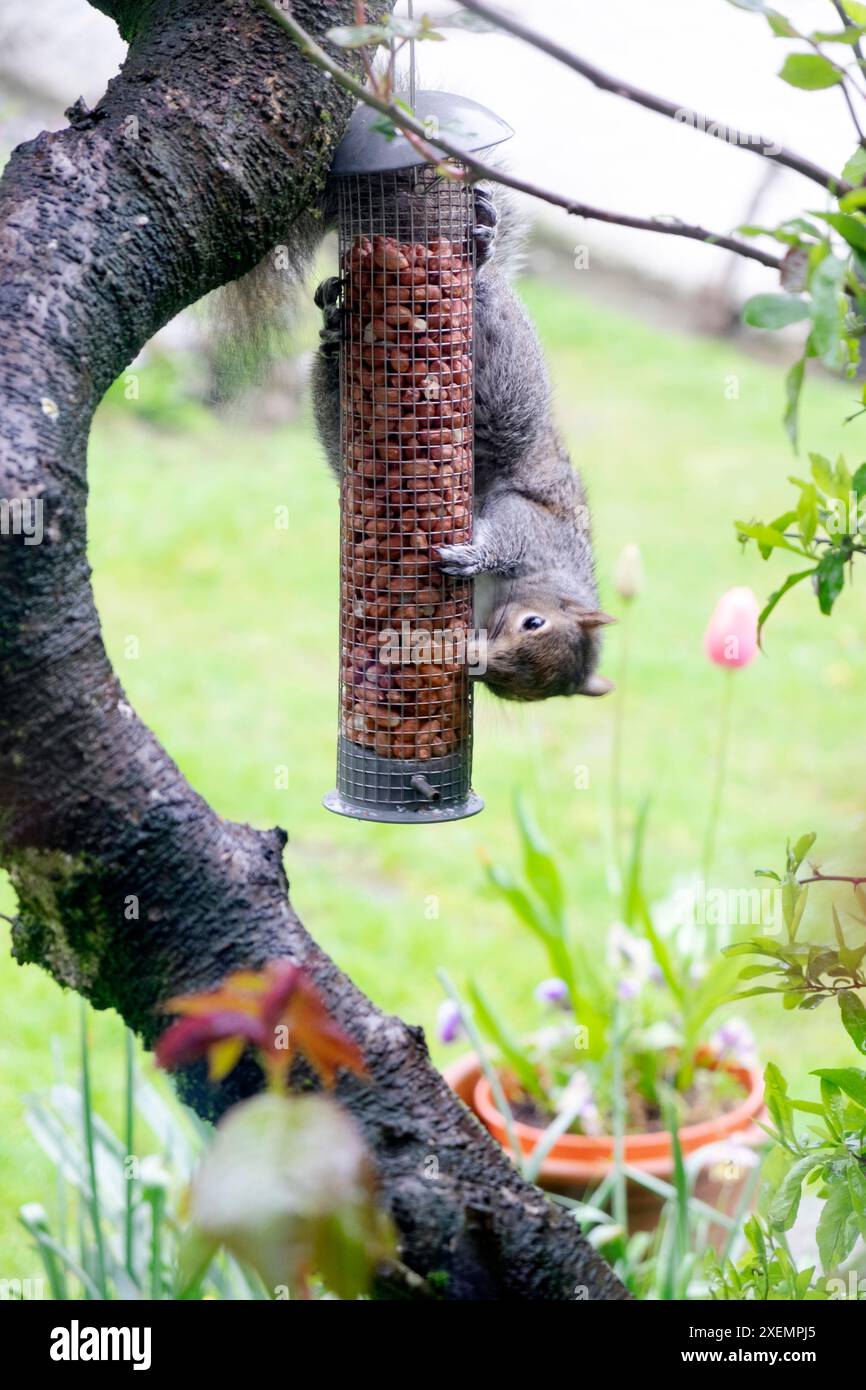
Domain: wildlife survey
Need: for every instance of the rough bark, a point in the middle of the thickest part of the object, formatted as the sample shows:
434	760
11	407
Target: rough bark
212	142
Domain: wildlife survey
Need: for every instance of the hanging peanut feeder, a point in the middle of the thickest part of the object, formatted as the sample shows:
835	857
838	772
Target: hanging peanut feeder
407	257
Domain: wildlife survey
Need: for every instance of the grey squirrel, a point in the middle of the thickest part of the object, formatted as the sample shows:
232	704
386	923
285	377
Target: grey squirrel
531	553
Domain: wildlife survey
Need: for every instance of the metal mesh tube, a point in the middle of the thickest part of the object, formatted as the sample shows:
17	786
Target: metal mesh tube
406	390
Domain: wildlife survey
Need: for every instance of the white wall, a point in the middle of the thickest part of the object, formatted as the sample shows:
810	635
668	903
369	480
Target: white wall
703	53
602	150
56	50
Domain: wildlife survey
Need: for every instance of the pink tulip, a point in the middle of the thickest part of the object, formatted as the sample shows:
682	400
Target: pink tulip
731	638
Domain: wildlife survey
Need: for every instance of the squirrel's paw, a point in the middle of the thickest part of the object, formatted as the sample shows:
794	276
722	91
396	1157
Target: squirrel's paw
464	561
327	298
327	292
486	219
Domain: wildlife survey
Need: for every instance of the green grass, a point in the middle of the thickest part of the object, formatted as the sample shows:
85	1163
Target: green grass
235	660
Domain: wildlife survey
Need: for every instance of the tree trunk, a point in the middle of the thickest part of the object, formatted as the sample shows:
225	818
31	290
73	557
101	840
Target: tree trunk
209	148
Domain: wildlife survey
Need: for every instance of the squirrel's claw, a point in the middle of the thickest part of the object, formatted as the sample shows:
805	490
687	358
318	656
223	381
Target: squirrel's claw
463	561
486	220
327	298
327	292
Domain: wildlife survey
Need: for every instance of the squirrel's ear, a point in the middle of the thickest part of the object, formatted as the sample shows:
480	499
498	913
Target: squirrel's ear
588	617
596	685
595	619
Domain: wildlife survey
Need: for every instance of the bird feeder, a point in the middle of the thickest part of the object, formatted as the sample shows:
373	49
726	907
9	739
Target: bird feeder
407	261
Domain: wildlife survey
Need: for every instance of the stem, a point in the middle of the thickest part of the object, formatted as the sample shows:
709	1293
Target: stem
620	1195
416	133
130	1150
856	880
617	743
157	1207
490	1072
718	789
90	1150
840	10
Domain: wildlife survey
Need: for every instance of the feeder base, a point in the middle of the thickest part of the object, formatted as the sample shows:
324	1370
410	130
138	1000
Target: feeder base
403	815
399	792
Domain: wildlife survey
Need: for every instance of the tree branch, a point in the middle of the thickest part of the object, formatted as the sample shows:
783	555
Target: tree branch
210	147
719	130
479	170
840	10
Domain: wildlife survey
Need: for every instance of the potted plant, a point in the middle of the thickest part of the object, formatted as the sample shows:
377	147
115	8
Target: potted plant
625	1056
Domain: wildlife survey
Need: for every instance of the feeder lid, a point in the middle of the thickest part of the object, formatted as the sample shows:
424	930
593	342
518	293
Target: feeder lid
465	123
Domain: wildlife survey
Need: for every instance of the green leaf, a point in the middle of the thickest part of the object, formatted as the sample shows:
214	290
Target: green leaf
838	1227
498	1032
792	910
786	1203
195	1253
777	595
855	170
540	866
828	310
858	482
807	513
855	201
519	901
855	11
810	72
766	537
851	228
752	972
636	909
853	1018
286	1187
822	472
830	578
802	847
764	946
793	390
857	1188
848	1079
834	1106
777	1102
849	35
774	310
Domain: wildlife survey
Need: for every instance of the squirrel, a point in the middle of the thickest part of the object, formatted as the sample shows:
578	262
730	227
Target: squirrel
531	558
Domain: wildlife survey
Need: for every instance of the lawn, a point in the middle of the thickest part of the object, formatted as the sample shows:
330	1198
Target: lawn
234	662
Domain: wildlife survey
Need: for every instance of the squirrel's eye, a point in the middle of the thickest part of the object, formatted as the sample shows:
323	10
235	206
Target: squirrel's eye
533	622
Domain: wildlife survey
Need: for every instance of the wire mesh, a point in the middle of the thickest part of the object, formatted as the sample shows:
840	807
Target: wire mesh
406	389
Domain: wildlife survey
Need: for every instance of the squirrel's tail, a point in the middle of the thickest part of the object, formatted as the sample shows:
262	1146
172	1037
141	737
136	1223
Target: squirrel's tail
251	319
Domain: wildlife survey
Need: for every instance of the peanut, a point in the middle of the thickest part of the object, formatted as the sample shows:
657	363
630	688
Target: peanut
406	489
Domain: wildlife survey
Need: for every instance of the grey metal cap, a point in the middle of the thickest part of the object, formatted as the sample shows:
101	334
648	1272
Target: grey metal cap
465	123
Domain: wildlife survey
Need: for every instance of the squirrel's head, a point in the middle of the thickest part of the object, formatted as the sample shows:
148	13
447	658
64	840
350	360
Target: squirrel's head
550	647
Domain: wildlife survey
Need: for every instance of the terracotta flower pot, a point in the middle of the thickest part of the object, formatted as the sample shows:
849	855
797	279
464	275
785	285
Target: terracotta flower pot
578	1162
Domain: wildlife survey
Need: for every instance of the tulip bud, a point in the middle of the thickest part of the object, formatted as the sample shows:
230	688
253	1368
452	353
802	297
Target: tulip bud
628	574
731	638
449	1024
553	991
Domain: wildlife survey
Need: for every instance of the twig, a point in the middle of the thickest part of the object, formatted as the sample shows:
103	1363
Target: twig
840	10
719	130
411	127
817	877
